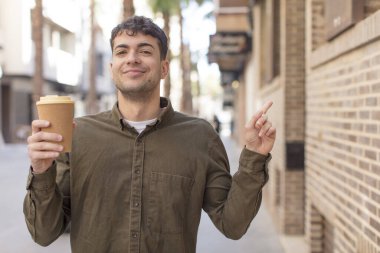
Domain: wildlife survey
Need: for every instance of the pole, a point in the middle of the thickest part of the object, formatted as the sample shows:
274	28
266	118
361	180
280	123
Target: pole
1	110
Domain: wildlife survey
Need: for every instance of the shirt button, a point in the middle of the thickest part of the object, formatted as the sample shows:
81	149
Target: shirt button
137	204
137	171
134	235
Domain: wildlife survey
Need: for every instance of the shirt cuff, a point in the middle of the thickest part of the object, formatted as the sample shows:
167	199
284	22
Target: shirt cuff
42	181
252	162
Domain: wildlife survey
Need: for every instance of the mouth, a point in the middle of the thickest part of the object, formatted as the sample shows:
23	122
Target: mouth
134	72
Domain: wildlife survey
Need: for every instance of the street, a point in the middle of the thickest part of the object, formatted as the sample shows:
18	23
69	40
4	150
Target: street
14	236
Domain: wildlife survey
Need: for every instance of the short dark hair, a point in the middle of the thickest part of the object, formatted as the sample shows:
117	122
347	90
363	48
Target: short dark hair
136	24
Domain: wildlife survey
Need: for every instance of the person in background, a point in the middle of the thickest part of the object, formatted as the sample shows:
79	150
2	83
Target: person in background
140	174
216	122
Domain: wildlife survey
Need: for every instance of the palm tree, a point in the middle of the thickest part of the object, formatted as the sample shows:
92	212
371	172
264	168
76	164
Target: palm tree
37	34
186	65
91	99
187	96
167	83
167	8
128	9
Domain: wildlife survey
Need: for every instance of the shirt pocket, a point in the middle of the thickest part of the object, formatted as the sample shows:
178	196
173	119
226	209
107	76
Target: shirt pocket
168	202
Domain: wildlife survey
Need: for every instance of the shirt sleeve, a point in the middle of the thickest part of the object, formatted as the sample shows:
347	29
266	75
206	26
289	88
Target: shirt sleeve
232	203
47	202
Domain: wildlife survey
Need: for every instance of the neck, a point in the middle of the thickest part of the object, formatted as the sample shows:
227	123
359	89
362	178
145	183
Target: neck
139	110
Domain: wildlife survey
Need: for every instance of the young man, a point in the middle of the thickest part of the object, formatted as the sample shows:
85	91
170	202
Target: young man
140	174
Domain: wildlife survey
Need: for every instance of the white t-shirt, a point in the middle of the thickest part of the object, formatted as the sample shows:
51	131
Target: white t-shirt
140	125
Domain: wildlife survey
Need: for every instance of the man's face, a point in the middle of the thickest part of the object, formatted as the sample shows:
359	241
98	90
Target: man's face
136	67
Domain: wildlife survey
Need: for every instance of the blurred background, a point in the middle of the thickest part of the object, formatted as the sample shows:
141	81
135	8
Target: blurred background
318	60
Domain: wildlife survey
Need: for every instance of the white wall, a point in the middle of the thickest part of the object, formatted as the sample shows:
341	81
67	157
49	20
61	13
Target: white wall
15	36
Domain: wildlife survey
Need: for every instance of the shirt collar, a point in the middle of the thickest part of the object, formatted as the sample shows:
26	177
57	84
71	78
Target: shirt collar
162	118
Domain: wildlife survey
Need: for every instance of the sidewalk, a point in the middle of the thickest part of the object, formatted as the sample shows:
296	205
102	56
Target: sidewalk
14	235
261	236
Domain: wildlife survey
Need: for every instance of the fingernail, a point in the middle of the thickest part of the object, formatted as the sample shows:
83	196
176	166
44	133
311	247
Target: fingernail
60	138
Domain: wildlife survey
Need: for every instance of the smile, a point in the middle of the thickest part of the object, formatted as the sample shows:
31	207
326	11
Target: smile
134	72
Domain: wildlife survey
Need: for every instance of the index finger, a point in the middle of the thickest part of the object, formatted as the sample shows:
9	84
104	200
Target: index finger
266	107
38	124
259	113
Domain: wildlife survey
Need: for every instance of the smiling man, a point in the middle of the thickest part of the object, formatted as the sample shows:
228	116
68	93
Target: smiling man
139	175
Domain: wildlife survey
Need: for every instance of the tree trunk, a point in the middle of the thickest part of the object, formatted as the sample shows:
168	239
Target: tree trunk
128	9
91	99
167	83
198	89
186	101
37	34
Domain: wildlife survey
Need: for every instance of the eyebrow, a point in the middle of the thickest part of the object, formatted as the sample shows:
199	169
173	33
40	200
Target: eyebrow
142	44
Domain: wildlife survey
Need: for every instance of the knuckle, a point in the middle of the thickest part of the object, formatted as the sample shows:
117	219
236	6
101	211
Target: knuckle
33	156
37	135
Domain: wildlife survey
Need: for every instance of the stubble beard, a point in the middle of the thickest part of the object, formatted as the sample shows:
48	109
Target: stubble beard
139	94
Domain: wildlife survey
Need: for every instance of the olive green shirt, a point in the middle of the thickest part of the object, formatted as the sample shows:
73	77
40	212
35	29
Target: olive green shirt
129	192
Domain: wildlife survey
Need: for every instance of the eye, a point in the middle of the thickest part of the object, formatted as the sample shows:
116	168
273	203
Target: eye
145	52
120	52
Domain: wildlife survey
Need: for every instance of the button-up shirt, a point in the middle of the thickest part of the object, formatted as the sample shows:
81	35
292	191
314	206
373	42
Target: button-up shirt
129	192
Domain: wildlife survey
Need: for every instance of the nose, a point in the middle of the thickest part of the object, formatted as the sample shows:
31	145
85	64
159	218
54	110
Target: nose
133	57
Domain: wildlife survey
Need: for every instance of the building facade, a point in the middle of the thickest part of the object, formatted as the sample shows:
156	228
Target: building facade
65	59
319	62
342	211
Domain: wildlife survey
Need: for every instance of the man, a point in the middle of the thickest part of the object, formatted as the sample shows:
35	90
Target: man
141	173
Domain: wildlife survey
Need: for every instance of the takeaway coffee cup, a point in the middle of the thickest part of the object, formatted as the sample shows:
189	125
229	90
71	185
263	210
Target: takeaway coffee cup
59	111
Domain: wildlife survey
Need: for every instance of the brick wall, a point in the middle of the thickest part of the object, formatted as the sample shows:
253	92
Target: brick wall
293	207
343	143
293	74
318	23
294	70
284	194
318	19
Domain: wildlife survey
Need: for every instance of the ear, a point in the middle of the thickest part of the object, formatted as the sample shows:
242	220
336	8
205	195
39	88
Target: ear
164	68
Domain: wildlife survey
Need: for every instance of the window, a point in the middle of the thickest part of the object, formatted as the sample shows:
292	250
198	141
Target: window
342	14
271	39
61	39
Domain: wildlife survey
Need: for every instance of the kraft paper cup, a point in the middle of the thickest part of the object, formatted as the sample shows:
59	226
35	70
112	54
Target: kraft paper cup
59	111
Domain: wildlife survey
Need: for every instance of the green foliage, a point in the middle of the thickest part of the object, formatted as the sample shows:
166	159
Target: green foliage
171	6
164	6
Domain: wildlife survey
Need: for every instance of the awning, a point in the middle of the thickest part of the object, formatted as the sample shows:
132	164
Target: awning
231	43
229	50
